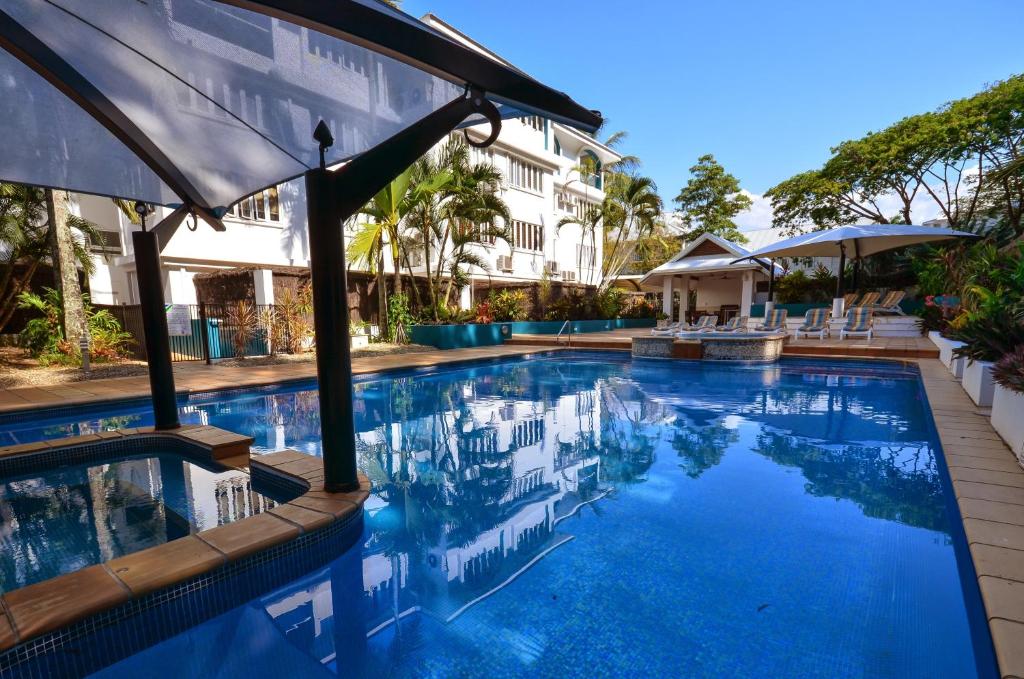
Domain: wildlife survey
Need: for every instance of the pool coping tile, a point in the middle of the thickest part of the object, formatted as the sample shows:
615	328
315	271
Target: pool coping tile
49	605
988	483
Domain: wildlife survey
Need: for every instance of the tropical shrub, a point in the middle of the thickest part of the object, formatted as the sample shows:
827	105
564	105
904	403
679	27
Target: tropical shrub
1008	371
609	303
642	308
573	306
400	318
43	337
483	313
244	323
991	322
507	305
289	321
797	287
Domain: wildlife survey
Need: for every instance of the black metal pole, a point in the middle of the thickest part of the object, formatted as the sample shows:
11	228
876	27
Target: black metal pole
331	198
771	280
204	333
330	323
154	325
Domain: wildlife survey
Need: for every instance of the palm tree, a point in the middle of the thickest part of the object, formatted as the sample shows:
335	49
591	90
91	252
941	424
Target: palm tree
35	224
454	214
632	211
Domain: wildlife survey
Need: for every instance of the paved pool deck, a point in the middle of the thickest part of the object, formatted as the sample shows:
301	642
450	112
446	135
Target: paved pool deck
194	377
988	481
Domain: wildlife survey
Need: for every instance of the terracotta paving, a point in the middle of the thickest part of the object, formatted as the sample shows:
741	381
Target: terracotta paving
199	377
877	347
989	486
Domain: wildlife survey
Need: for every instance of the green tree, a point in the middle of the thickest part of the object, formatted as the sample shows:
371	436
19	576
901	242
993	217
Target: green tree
710	200
35	227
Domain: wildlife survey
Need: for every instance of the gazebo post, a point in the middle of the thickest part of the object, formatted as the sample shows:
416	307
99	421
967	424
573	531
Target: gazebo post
769	305
154	326
837	304
333	196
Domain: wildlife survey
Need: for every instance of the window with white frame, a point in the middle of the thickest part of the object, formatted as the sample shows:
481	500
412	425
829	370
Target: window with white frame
527	236
524	175
536	122
478	156
586	255
264	206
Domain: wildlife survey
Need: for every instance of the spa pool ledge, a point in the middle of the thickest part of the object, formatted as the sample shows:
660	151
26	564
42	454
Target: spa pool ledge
63	613
989	486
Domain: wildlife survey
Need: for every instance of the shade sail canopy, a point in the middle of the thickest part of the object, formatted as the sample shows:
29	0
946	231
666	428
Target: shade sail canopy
204	102
859	240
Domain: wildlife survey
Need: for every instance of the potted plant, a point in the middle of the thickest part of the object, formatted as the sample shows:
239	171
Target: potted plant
988	332
1008	401
359	333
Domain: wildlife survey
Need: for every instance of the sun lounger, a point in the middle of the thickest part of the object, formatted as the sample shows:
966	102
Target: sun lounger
733	324
776	320
868	300
849	299
703	324
891	303
815	323
670	329
858	322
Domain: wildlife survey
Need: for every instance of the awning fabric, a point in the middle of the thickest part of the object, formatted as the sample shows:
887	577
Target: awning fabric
225	98
860	240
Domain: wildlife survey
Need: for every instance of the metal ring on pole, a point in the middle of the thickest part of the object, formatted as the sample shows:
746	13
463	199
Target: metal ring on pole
486	108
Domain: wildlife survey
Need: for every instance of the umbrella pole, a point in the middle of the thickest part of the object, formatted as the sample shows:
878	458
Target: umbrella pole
770	304
837	303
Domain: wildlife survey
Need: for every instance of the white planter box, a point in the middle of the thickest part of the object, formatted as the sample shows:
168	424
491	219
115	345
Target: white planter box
1008	419
360	341
935	336
956	366
945	350
977	382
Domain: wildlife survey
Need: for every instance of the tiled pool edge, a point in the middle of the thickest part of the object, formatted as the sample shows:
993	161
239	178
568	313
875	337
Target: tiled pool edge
64	625
988	484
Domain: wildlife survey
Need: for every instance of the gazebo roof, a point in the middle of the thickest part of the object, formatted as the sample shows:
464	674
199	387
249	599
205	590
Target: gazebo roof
203	102
707	254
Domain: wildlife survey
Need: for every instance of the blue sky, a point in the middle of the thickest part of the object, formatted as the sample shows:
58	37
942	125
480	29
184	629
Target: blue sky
767	87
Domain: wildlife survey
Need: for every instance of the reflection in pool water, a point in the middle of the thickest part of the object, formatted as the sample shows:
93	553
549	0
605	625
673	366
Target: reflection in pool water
587	515
63	519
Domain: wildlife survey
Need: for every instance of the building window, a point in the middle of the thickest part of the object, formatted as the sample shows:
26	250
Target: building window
524	175
345	55
106	242
536	122
586	255
479	156
527	236
261	207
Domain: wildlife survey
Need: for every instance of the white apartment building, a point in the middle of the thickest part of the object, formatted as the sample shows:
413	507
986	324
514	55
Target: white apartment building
539	159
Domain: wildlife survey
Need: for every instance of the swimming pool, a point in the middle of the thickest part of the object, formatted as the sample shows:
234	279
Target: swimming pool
586	514
57	520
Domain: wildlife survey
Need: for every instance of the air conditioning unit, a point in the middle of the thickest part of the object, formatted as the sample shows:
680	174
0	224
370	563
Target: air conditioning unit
551	268
505	263
569	276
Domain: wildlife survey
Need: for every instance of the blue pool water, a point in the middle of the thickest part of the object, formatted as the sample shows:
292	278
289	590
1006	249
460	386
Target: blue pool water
588	515
62	519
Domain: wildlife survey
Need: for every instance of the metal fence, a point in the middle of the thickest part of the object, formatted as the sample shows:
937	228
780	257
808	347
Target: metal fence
213	331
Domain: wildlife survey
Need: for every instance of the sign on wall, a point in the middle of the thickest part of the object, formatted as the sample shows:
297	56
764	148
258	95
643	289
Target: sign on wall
179	320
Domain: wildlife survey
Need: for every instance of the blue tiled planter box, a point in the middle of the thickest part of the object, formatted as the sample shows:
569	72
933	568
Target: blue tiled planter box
552	327
459	336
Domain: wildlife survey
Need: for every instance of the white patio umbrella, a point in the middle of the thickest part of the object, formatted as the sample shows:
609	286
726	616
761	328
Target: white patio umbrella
856	241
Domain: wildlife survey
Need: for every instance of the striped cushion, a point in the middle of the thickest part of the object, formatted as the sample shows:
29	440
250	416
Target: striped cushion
858	319
776	318
868	299
892	299
815	318
706	322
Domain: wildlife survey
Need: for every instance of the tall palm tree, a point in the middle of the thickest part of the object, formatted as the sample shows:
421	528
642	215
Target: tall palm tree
632	210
